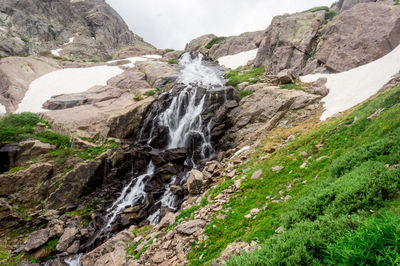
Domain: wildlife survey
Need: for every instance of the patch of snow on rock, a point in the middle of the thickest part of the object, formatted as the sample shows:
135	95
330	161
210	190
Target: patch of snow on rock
133	60
70	80
2	109
237	60
352	87
56	52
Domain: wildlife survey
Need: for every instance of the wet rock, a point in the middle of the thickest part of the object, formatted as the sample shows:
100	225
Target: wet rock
160	137
195	182
37	239
74	248
177	190
177	156
67	238
190	227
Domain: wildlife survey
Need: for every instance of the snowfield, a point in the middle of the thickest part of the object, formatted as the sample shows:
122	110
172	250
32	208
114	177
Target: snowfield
237	60
71	80
352	87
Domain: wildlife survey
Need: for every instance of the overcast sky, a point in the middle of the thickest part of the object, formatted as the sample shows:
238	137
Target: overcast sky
173	23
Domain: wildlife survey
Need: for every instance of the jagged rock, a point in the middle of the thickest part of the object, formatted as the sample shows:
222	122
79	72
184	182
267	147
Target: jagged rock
168	219
74	248
288	41
30	177
67	238
195	182
131	79
37	239
111	252
97	29
198	44
8	218
94	95
190	227
287	76
177	190
17	73
365	32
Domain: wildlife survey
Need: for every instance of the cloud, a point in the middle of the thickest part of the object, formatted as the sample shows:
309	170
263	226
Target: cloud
173	23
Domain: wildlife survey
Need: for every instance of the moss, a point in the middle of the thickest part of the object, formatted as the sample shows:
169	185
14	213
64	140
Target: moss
172	61
252	75
150	93
214	41
292	86
138	97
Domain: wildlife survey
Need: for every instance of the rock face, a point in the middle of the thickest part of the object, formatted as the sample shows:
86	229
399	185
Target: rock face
289	40
198	44
237	44
306	42
34	26
365	33
347	4
16	73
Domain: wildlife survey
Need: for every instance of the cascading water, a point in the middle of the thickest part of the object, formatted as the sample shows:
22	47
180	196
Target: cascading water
183	119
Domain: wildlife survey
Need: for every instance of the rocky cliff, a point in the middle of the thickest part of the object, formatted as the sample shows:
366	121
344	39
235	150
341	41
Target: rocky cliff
77	29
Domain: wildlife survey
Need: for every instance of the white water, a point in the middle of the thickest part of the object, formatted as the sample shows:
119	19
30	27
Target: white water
352	87
237	60
130	195
74	260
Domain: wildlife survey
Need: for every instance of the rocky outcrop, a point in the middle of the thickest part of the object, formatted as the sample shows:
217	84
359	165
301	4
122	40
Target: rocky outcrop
35	26
131	80
347	4
102	118
237	44
364	33
308	42
199	44
16	73
264	109
156	71
289	41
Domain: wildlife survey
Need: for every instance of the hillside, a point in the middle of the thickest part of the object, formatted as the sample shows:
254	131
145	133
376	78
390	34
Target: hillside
276	147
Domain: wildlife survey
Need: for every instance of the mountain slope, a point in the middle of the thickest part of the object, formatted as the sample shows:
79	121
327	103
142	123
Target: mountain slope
88	29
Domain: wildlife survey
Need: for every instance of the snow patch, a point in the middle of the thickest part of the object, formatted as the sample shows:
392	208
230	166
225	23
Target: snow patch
56	52
2	109
133	60
246	148
352	87
70	80
237	60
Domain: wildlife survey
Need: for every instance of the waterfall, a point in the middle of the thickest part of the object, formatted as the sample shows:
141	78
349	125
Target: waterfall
186	129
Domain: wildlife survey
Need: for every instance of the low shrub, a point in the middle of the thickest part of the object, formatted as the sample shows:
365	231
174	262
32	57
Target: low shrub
215	40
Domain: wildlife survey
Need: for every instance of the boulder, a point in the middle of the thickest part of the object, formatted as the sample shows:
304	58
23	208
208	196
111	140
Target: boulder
111	252
235	249
317	87
289	41
67	238
287	76
190	227
156	70
195	182
94	95
37	239
131	80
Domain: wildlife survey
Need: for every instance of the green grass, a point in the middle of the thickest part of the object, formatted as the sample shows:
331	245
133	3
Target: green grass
252	75
92	153
172	61
214	41
150	93
169	50
291	86
243	93
357	177
317	8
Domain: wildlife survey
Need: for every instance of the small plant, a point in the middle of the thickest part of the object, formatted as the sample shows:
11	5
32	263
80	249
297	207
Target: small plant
169	50
172	61
291	86
215	40
396	2
252	75
138	97
244	93
26	41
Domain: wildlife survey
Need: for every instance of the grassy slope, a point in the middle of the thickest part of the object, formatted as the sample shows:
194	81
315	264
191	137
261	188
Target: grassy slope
343	141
